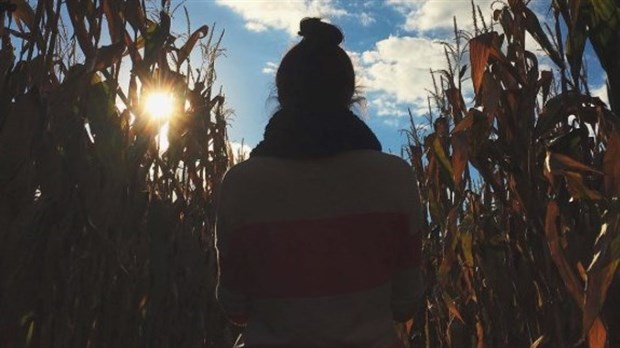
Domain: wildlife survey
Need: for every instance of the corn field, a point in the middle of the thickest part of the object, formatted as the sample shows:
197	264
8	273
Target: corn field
106	235
522	186
106	238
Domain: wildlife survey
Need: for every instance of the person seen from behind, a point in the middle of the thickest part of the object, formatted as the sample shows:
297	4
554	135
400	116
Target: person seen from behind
318	232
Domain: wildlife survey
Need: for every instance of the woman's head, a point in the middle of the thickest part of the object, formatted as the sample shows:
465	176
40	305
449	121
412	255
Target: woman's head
316	73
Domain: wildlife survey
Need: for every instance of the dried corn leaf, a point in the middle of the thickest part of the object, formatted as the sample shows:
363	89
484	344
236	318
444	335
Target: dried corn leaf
185	50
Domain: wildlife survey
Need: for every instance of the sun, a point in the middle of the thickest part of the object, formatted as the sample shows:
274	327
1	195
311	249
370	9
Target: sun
160	105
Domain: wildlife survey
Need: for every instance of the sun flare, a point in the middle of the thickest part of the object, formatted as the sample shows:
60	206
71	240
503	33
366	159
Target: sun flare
159	105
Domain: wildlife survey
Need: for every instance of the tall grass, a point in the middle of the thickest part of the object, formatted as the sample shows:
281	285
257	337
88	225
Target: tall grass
522	187
106	239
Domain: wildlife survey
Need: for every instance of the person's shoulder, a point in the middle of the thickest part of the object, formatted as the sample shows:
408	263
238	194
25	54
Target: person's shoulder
257	169
395	172
395	161
242	171
237	171
389	162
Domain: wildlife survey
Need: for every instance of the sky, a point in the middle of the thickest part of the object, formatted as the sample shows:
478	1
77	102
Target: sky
392	43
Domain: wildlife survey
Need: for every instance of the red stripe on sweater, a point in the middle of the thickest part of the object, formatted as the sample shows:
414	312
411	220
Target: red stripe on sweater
319	257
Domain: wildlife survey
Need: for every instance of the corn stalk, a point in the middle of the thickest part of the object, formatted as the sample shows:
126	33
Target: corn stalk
106	239
521	190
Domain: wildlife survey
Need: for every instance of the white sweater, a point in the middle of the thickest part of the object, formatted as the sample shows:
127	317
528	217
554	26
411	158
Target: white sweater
320	253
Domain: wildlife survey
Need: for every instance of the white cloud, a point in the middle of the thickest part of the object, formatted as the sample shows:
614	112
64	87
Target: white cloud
359	68
425	15
281	15
240	151
392	122
386	105
399	66
601	92
366	19
270	68
255	26
395	74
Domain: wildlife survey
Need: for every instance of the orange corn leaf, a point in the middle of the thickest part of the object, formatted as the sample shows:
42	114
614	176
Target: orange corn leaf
454	311
557	163
403	333
557	254
597	336
465	123
479	335
481	48
582	271
602	269
578	189
460	156
596	293
452	307
189	45
441	155
491	94
467	247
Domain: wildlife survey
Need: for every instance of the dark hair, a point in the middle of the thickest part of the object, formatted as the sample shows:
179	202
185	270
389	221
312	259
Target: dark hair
316	73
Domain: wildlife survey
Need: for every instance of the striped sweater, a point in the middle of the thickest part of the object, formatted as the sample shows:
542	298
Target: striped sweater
319	253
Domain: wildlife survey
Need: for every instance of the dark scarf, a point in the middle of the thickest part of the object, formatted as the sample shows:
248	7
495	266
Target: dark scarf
311	135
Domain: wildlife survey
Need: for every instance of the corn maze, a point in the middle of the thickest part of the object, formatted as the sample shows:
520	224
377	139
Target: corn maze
107	238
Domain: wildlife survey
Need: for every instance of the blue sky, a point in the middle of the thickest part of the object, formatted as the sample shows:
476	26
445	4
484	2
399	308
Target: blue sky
393	44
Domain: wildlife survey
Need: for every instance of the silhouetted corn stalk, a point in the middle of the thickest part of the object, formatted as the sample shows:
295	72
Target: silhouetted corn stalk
106	239
522	192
